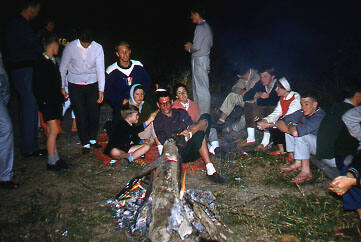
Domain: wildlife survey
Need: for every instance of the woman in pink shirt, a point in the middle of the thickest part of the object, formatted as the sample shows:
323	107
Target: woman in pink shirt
183	102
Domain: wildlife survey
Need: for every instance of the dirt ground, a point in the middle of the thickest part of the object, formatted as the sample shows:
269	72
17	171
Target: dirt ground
258	204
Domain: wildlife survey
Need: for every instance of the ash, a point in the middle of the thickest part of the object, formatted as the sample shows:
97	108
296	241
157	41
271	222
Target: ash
132	212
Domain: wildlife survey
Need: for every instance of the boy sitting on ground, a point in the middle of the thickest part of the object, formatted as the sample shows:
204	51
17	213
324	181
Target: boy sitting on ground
124	143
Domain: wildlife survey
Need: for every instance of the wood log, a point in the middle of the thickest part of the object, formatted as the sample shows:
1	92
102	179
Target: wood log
165	191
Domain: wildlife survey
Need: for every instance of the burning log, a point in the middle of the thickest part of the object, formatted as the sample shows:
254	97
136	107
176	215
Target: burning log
165	192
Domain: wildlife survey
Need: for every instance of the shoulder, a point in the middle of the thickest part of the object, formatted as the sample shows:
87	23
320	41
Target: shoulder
112	68
137	63
97	45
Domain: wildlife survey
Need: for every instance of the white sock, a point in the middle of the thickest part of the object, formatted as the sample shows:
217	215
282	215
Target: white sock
210	169
86	146
92	141
266	138
215	144
250	133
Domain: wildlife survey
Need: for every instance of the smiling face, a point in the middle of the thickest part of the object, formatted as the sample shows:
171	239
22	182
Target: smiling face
266	78
123	53
309	106
182	94
138	96
165	106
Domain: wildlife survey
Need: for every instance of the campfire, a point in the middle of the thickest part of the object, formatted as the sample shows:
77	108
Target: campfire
156	205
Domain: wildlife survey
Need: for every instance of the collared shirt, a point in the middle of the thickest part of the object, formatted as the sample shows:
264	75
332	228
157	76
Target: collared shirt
84	51
76	69
191	108
165	126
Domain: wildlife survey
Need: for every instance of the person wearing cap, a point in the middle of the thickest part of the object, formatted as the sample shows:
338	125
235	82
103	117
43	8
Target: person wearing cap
289	103
301	129
260	101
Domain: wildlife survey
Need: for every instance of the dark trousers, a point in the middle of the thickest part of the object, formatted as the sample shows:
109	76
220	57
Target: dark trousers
84	102
278	137
252	112
29	115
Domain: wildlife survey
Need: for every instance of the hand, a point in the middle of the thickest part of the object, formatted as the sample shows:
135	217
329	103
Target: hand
262	125
125	101
187	46
185	133
264	95
101	97
63	92
292	130
340	185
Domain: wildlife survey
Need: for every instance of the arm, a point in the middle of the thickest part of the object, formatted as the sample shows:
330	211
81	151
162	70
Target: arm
312	124
197	40
249	96
159	131
64	65
288	128
352	119
275	115
100	69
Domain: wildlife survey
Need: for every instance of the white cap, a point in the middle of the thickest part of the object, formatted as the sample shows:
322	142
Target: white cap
285	83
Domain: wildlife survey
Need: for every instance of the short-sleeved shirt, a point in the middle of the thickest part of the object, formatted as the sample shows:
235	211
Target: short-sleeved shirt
165	126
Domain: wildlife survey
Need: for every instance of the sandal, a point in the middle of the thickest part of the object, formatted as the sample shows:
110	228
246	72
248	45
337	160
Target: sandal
9	185
292	167
300	178
277	153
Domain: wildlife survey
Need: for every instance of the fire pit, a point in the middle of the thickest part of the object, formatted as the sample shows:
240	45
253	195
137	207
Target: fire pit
151	206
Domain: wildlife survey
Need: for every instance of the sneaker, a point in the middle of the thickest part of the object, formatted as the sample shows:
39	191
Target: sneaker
59	165
217	178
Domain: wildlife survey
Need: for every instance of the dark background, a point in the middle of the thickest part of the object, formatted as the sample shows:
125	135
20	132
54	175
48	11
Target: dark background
307	41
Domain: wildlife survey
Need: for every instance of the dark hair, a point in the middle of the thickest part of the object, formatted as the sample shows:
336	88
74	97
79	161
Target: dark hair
350	90
200	10
48	39
269	70
25	4
127	110
310	94
162	94
122	43
86	35
178	85
137	88
46	21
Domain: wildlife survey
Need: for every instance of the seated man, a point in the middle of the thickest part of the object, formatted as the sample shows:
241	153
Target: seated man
121	76
333	138
124	143
170	122
244	84
301	130
183	102
260	101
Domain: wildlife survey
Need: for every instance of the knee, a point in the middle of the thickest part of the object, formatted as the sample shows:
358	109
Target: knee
114	153
146	147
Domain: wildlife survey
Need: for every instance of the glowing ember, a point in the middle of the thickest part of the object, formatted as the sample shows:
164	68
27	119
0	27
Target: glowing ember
183	187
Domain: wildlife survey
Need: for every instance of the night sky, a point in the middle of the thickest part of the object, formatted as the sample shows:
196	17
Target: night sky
297	37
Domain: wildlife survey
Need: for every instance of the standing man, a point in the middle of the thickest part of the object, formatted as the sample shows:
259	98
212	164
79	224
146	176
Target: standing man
23	48
200	49
121	76
82	70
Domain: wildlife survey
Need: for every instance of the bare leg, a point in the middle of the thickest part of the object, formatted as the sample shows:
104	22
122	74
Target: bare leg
280	148
203	151
305	173
118	154
74	128
222	118
53	131
139	150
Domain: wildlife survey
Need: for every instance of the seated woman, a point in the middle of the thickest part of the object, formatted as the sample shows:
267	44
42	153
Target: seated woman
47	90
183	102
124	143
289	103
136	95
